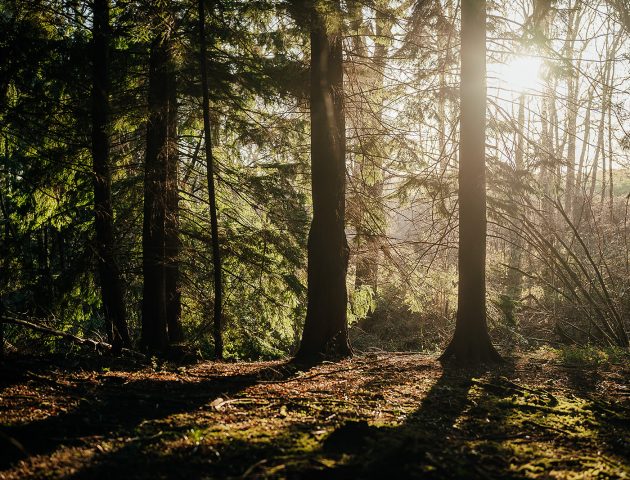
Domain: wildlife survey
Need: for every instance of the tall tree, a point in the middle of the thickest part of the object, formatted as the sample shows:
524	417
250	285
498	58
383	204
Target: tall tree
471	341
572	103
325	329
109	273
214	228
172	242
514	276
370	169
158	163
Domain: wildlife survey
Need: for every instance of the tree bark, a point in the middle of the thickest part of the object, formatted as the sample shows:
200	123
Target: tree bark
172	243
214	226
154	311
325	330
471	341
109	273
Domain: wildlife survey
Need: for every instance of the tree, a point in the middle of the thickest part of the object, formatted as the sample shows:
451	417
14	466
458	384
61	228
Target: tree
514	275
172	243
159	157
216	252
471	341
368	177
110	281
325	329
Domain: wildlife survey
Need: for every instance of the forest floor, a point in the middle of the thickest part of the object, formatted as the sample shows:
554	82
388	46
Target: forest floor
375	416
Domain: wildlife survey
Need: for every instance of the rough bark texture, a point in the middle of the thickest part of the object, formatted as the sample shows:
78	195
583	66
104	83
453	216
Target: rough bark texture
214	227
471	341
172	243
109	274
154	312
325	330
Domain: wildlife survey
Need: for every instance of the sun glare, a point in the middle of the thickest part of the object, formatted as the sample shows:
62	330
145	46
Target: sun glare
520	74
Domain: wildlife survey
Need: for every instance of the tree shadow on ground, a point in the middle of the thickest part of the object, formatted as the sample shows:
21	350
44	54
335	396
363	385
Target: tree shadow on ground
584	379
476	424
469	424
19	369
291	451
119	407
429	444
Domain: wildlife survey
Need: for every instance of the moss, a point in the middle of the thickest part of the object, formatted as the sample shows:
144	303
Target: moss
530	438
414	423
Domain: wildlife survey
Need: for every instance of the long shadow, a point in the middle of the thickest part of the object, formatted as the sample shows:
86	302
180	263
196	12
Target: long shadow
416	449
118	408
230	457
242	458
431	443
457	431
612	418
583	379
16	370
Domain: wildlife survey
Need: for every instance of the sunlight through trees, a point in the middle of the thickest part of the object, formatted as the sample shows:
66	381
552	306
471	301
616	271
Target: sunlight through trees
138	198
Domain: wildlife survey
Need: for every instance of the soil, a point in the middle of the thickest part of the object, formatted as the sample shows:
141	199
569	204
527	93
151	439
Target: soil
380	415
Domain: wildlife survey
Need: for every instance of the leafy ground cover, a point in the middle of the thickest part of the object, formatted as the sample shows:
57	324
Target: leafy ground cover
540	415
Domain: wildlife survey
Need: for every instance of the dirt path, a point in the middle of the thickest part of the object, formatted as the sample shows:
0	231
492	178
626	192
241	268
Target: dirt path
379	416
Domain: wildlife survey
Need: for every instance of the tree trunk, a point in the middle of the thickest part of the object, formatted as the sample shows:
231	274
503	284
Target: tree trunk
572	106
471	341
172	242
610	142
599	149
606	101
214	228
109	274
325	330
370	221
514	276
154	316
579	191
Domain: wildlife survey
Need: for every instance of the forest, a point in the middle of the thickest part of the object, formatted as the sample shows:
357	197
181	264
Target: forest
333	239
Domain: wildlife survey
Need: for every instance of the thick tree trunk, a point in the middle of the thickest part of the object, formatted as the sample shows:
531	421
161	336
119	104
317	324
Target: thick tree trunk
471	341
325	330
214	225
109	274
4	268
172	242
154	316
